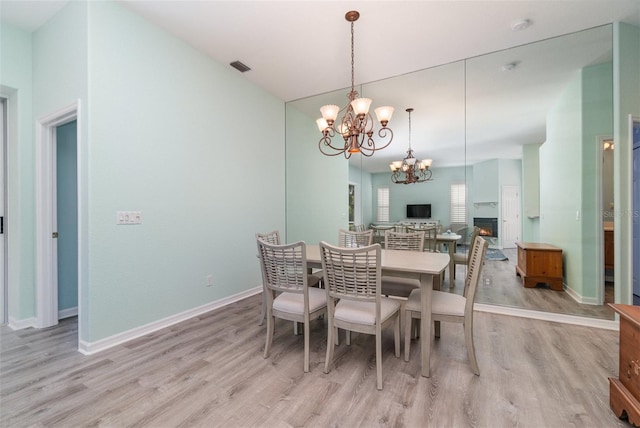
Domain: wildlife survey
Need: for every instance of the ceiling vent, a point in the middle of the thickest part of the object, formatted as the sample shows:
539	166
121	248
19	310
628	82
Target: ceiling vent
239	66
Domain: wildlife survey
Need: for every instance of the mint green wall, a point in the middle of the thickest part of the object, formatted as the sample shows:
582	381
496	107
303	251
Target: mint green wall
436	193
60	58
170	136
531	193
597	121
317	185
560	186
626	101
569	212
363	179
67	215
16	85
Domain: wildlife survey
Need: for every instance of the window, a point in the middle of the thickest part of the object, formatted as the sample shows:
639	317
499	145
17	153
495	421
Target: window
458	203
383	204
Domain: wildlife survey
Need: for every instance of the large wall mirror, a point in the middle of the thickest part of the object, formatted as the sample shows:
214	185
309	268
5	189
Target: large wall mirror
526	130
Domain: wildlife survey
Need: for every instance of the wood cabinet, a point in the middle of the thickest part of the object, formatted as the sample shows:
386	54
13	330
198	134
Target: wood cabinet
539	263
624	391
608	246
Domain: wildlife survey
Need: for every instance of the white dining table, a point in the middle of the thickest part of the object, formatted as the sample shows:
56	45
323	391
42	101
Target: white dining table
425	266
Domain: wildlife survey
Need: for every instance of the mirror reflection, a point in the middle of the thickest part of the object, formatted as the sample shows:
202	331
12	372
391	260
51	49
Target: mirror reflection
517	139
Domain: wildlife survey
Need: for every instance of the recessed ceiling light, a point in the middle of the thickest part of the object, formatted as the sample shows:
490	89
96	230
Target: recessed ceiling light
521	24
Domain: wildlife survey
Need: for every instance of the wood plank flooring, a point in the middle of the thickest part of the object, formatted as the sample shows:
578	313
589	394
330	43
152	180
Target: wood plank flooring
209	372
500	286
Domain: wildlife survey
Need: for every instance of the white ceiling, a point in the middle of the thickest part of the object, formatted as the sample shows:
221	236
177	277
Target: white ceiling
297	49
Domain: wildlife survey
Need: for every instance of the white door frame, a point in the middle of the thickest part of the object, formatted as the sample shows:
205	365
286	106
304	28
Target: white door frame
600	271
46	248
4	190
518	220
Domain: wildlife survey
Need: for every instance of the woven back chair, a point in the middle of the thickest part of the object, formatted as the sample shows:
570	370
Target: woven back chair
352	239
461	258
359	228
352	277
410	241
284	269
451	307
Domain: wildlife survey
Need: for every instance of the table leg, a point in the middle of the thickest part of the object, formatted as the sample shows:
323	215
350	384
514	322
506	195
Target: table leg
452	266
427	282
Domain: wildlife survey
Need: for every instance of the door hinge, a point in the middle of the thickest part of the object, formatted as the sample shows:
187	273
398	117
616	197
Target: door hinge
54	235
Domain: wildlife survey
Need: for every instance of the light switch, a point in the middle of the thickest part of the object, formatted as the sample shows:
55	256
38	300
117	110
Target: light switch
128	217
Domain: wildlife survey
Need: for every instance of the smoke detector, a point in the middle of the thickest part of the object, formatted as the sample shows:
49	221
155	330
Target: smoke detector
521	24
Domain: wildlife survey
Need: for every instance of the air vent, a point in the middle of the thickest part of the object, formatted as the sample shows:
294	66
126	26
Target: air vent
239	66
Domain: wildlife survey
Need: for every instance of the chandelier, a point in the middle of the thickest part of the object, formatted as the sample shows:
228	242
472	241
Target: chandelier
415	171
356	124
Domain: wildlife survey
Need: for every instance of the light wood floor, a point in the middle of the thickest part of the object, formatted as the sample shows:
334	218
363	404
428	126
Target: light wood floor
209	372
500	286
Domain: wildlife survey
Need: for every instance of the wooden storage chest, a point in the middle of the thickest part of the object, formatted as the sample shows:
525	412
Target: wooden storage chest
624	392
539	263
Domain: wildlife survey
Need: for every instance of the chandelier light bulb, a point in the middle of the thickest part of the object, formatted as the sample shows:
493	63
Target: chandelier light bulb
322	124
330	112
361	106
384	114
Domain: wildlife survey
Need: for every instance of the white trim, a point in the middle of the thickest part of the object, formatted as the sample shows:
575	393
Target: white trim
548	316
15	324
68	313
46	278
89	348
580	299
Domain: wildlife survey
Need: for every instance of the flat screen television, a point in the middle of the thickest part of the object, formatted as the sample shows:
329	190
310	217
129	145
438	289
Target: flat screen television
418	210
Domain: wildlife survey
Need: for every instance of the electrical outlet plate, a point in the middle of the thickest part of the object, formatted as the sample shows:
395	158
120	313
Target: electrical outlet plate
128	217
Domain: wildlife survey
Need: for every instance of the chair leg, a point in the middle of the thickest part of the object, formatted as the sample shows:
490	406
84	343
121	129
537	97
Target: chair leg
263	310
396	335
306	346
436	328
471	350
348	337
408	318
270	326
331	331
378	357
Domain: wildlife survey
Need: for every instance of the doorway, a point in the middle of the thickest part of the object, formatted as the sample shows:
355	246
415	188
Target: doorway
4	274
510	216
57	217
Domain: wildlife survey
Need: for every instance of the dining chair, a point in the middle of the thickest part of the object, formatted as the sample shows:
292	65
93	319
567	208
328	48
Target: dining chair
284	269
352	278
450	307
353	239
313	280
411	241
359	228
463	258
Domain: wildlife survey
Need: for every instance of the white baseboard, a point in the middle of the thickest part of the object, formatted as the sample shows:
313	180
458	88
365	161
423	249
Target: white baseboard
67	313
89	348
578	298
548	316
15	324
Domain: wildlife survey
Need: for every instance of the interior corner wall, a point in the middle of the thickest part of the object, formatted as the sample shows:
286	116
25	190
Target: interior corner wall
317	185
193	146
597	121
560	191
531	192
626	101
16	84
363	179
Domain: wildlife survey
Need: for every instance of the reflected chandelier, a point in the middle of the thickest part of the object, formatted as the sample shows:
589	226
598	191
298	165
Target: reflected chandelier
356	124
415	171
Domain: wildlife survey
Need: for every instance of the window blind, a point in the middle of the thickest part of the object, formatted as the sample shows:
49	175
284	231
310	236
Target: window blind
383	204
458	203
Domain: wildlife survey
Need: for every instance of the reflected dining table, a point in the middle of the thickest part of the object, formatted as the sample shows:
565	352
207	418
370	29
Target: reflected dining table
425	266
450	240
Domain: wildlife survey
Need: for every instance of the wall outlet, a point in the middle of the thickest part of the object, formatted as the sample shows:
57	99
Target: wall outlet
209	280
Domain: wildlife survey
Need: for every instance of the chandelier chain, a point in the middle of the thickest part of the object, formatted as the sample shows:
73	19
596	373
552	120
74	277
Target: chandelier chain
352	60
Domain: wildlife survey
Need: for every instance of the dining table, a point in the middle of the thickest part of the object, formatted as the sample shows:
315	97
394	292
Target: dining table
422	265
